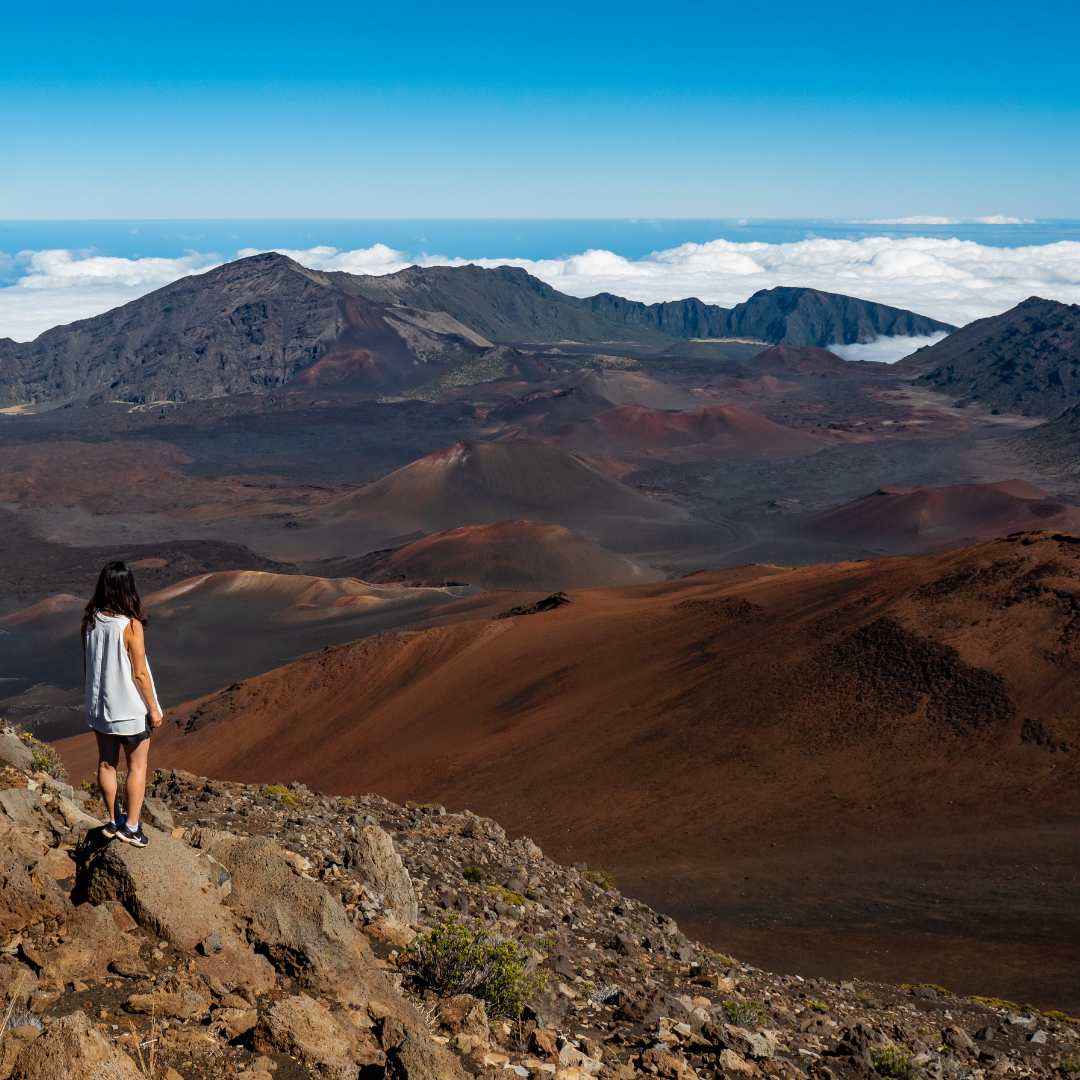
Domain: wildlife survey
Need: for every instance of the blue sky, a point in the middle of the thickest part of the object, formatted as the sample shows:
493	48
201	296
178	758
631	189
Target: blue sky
555	110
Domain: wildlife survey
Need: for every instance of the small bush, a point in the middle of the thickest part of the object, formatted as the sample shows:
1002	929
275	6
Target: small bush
1069	1064
506	896
939	990
719	958
892	1062
996	1003
284	796
743	1013
475	874
45	758
90	787
818	1006
450	960
1060	1017
535	895
599	877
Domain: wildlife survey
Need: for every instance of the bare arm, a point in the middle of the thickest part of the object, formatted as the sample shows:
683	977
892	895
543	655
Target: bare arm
136	646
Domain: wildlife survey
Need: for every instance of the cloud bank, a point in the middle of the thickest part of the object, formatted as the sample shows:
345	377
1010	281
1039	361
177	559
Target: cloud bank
953	280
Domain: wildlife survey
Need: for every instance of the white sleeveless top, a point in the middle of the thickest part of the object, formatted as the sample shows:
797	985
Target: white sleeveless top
113	702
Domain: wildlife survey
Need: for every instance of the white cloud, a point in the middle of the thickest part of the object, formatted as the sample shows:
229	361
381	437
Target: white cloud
58	286
953	280
909	221
61	268
997	219
378	259
886	350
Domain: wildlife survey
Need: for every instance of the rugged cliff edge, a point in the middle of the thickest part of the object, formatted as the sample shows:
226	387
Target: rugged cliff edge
269	931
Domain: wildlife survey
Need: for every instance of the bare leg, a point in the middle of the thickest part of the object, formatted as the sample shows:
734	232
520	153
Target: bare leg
135	784
108	756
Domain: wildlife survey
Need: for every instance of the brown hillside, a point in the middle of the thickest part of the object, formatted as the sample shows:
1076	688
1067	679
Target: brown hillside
860	739
513	555
933	517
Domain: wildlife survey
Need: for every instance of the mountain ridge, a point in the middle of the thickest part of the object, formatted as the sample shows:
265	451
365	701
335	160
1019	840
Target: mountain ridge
1025	360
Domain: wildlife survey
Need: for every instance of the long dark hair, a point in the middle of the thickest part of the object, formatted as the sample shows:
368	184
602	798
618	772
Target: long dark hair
116	594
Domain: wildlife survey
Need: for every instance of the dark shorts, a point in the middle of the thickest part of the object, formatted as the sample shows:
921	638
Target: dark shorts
134	740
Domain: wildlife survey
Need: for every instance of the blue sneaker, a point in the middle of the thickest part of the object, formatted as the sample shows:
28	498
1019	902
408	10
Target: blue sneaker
110	829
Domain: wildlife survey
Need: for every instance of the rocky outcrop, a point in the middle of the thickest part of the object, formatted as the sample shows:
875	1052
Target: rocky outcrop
171	889
301	927
332	1047
618	992
73	1049
378	866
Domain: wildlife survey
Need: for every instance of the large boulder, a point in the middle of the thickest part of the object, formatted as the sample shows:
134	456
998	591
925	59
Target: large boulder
171	889
175	891
29	894
305	1030
73	1050
378	866
300	926
93	942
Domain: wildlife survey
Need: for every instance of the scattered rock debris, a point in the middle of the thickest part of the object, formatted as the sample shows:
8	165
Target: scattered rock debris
265	931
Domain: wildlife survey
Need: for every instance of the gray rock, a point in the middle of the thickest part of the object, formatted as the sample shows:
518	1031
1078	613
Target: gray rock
373	859
14	752
747	1043
301	927
1037	1037
58	787
157	813
22	807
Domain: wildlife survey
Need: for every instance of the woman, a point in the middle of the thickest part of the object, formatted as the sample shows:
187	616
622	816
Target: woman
121	701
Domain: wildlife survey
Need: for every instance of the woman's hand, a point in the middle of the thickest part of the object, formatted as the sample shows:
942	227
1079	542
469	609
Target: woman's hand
155	718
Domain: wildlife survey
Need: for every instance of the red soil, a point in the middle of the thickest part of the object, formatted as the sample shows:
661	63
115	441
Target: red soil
811	721
948	515
725	430
515	555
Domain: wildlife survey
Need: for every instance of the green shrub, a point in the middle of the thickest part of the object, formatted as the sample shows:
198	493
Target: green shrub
996	1003
475	874
451	960
506	896
45	758
599	877
719	958
1060	1017
1068	1064
892	1062
746	1012
818	1006
939	990
535	895
284	796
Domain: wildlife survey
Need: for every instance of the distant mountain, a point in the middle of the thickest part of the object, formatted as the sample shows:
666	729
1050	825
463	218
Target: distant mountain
246	327
509	305
690	318
780	316
266	322
1026	360
506	304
